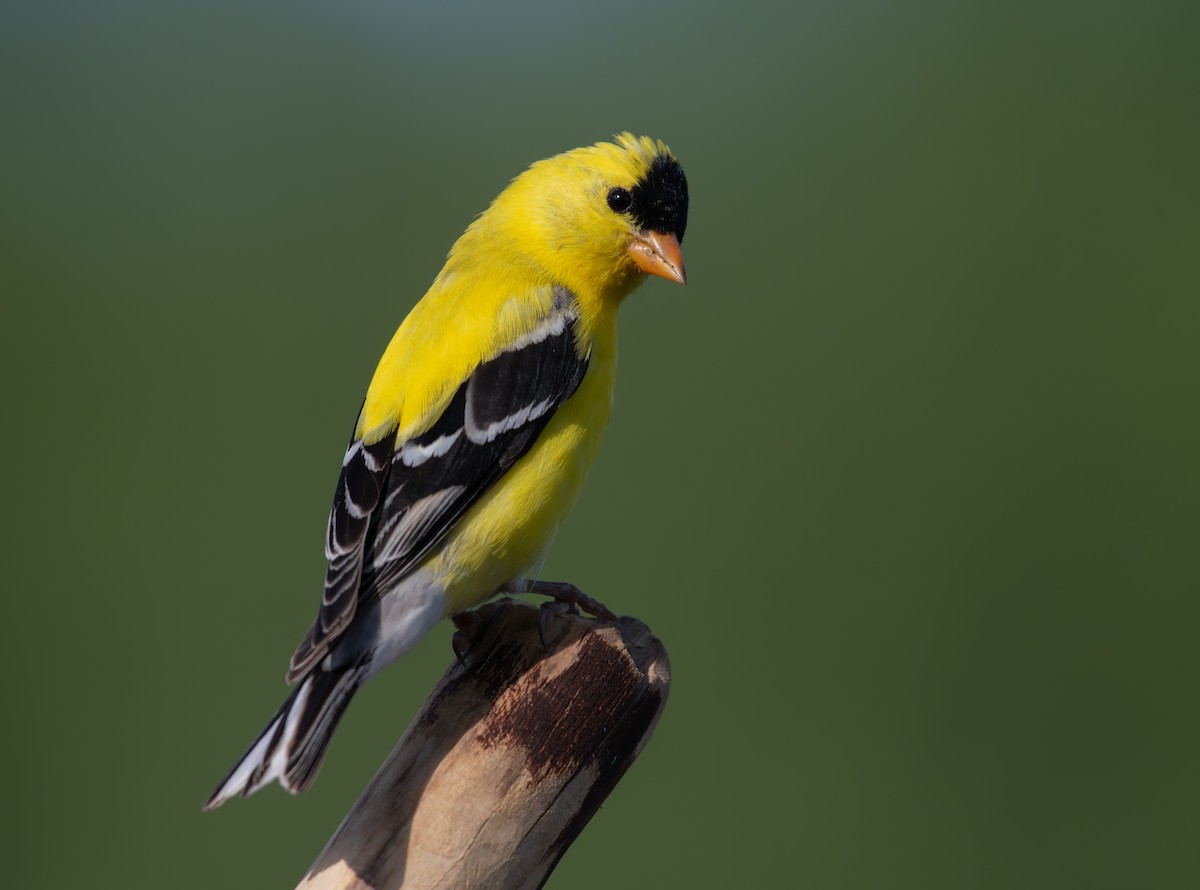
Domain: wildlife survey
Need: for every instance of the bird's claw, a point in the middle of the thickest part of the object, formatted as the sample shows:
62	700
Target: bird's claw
471	625
550	610
460	645
568	600
468	626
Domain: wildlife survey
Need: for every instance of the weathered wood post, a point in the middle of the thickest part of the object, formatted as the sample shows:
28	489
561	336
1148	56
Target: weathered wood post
508	758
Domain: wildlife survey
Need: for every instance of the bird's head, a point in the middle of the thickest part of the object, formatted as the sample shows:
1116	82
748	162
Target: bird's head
601	217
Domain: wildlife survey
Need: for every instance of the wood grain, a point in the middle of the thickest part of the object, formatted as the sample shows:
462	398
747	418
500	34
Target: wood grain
508	759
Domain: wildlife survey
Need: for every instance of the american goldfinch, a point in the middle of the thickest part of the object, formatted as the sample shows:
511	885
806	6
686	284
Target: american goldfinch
478	428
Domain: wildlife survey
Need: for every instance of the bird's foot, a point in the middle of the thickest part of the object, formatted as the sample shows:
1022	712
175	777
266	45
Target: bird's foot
549	611
564	592
469	628
568	600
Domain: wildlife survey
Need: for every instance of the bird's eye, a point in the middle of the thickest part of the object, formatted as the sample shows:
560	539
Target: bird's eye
619	199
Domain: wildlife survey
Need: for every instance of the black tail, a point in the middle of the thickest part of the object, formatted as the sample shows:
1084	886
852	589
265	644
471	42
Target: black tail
291	747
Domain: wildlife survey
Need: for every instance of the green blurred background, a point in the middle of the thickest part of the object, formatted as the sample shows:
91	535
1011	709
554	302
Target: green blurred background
906	478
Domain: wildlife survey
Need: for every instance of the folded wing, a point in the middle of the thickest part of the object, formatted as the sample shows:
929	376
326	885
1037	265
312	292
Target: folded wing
396	501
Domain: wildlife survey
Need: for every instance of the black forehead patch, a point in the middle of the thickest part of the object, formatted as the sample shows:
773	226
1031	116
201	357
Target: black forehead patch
660	199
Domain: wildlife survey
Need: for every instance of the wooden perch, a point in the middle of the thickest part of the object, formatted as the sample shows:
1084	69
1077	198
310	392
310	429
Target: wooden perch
507	760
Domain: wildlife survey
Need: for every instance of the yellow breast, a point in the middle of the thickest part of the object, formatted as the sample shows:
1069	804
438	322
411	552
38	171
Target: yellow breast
510	529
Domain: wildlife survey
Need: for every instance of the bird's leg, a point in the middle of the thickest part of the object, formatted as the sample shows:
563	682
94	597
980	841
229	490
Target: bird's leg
568	599
571	596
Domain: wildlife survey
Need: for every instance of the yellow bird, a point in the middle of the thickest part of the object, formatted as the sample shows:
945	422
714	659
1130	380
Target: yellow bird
478	429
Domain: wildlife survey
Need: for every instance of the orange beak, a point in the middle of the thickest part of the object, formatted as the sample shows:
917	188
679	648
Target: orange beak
658	254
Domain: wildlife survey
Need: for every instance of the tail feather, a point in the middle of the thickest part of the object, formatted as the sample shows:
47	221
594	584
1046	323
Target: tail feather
293	743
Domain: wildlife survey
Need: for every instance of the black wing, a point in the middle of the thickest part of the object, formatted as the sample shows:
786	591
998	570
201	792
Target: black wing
395	504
